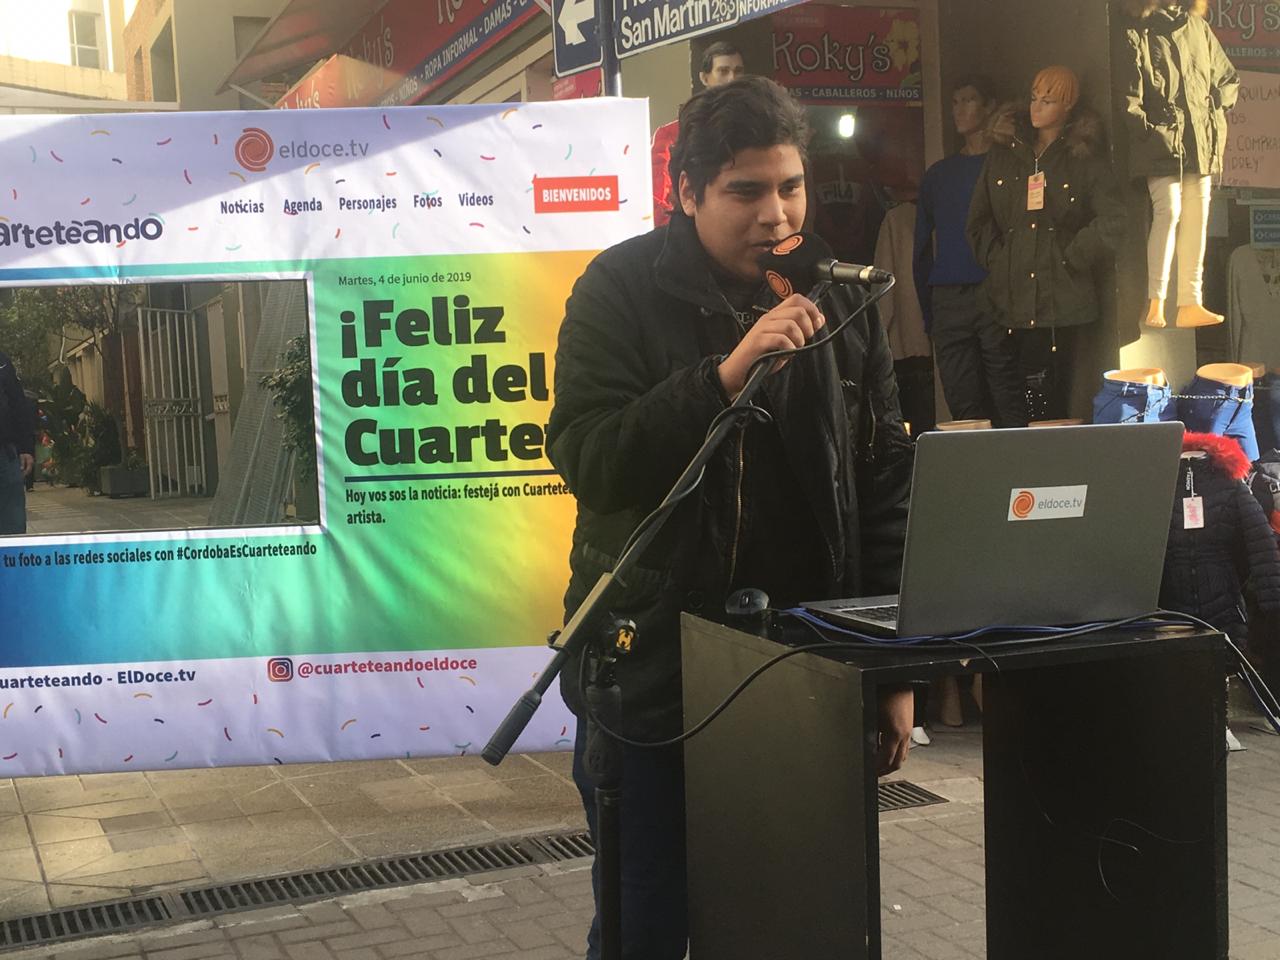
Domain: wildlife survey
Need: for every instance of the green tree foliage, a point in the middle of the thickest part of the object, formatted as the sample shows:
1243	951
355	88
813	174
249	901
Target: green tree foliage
290	385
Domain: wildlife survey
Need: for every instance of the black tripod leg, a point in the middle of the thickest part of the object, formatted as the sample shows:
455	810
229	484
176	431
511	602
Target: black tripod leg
609	855
603	760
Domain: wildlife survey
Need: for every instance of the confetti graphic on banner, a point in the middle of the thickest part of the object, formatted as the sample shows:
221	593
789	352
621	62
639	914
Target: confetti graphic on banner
230	197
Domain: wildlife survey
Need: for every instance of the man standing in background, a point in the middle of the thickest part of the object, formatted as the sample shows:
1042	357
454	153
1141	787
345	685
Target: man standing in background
721	63
17	448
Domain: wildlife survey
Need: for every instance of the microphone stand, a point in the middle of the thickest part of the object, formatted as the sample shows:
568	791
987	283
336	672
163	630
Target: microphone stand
603	754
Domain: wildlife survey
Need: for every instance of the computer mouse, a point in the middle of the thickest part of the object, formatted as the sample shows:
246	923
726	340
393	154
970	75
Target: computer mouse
747	602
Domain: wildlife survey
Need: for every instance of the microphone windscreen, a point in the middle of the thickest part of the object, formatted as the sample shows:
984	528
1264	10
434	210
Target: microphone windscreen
792	265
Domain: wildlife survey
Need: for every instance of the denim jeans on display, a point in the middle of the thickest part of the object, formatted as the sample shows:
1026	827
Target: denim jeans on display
1266	411
1124	402
1207	406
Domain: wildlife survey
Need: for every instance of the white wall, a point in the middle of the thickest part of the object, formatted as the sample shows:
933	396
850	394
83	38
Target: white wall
40	30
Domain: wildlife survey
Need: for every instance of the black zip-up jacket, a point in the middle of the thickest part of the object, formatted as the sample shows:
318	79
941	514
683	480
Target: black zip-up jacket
636	389
1205	567
17	418
1178	85
1043	266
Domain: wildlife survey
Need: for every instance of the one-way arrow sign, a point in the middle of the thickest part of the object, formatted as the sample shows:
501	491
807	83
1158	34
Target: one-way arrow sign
576	42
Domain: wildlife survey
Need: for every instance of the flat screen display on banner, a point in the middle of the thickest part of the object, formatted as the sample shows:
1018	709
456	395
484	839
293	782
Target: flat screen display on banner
348	396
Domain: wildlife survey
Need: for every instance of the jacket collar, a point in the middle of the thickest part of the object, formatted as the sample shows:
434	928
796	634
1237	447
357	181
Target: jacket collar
683	268
1169	18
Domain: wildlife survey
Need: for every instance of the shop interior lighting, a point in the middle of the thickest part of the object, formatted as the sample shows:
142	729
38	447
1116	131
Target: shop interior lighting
846	125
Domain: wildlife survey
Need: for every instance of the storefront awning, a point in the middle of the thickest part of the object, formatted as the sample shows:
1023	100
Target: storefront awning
23	100
303	32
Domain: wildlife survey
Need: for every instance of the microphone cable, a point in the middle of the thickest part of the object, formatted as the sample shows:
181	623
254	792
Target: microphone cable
864	643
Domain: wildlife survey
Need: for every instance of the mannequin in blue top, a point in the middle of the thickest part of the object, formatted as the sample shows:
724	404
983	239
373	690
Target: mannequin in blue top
973	353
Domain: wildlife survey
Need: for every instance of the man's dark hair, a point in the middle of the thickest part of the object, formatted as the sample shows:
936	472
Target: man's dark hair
720	122
721	48
985	86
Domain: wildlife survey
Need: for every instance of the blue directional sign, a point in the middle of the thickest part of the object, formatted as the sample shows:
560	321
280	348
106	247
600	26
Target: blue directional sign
575	35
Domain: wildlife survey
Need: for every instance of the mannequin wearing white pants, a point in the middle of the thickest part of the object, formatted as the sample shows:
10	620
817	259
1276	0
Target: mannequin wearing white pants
1176	86
1179	221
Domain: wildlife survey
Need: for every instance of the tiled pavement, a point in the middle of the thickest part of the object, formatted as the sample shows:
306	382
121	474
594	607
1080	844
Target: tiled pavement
932	863
73	840
58	509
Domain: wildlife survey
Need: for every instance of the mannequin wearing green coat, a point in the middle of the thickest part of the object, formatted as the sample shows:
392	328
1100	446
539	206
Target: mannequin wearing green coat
1178	88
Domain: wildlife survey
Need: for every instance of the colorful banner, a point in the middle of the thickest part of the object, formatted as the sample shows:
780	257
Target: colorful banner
1253	134
438	246
848	55
1249	31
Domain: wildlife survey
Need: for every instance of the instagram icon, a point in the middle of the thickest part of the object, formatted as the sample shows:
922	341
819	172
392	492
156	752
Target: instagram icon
279	669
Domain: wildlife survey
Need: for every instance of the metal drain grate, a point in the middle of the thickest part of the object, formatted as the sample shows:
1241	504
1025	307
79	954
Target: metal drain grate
83	921
123	915
903	795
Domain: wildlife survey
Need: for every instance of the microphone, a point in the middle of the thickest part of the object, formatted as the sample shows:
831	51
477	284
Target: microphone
804	260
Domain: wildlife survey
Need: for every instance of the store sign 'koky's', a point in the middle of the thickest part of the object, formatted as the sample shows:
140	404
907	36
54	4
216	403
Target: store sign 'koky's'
848	54
1249	31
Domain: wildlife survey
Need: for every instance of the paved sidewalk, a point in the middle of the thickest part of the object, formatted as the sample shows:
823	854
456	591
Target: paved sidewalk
71	840
932	905
52	508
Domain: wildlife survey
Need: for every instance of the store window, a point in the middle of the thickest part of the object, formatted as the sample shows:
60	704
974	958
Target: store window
858	71
86	51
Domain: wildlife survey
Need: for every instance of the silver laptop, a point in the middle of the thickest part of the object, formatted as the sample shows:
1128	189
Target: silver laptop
1039	526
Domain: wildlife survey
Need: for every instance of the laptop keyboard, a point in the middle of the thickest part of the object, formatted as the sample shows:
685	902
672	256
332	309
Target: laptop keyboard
886	614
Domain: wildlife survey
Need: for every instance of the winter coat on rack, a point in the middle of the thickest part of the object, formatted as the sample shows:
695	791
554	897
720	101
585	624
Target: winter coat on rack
1205	568
1042	264
1178	86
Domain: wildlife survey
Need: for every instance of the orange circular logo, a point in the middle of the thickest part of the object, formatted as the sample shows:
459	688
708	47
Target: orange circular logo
786	246
779	284
1023	504
254	149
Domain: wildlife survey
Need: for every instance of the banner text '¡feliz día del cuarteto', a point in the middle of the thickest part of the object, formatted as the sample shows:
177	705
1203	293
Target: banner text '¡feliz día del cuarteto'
384	382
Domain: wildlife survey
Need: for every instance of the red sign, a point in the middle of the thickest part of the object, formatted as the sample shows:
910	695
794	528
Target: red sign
588	83
574	194
340	81
408	49
1249	30
848	54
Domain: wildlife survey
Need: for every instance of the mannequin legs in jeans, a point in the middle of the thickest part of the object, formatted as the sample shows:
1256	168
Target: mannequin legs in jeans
1179	221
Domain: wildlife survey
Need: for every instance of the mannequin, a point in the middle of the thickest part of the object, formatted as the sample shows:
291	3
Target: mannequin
1134	395
1178	88
1153	376
1046	217
1220	401
974	354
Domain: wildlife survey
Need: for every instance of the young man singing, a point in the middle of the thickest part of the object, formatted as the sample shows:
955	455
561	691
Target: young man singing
659	333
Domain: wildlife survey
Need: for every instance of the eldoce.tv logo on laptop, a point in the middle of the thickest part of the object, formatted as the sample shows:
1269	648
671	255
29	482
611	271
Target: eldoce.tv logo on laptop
1103	495
1047	503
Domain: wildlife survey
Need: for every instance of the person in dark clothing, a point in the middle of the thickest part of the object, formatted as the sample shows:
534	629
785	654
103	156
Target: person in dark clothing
1045	219
973	350
17	448
659	333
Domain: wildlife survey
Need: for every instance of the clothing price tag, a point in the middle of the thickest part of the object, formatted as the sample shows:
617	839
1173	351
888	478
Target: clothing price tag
1192	513
1035	191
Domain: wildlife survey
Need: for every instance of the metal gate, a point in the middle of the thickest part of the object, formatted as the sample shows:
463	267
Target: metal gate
171	408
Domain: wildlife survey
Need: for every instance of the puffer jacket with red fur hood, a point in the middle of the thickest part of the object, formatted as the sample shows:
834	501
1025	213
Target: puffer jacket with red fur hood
1205	568
1043	266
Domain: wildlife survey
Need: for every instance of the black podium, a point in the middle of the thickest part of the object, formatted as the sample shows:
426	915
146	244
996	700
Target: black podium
1105	796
